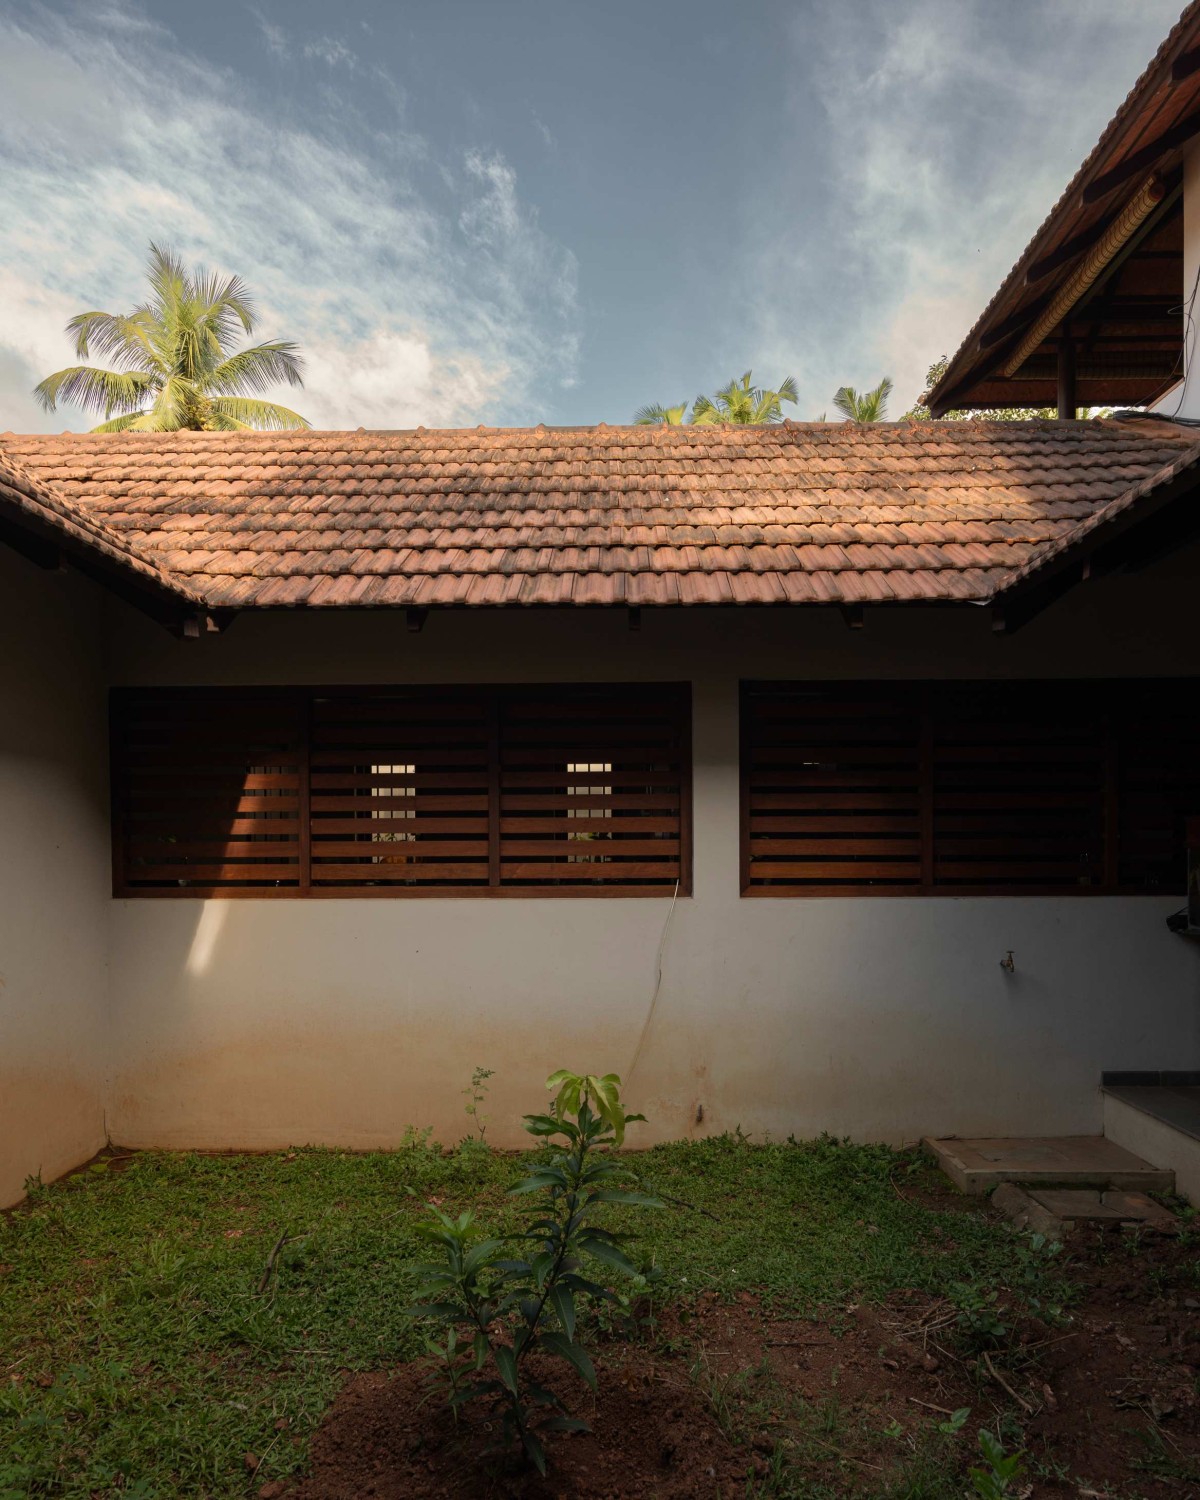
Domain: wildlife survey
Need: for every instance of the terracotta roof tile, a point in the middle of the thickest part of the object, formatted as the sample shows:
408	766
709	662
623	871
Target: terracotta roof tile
29	504
589	516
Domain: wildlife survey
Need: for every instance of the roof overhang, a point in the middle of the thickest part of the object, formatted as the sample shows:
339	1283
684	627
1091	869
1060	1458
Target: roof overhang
35	523
1150	522
1099	288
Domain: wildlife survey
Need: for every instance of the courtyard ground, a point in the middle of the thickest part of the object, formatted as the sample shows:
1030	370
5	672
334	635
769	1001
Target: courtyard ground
831	1320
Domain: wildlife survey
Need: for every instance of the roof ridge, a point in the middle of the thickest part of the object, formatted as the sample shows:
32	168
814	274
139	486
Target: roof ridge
915	426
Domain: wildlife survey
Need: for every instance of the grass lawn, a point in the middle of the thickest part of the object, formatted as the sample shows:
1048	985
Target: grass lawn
139	1357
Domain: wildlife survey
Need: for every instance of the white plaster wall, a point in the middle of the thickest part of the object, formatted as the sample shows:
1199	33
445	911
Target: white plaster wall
244	1023
54	874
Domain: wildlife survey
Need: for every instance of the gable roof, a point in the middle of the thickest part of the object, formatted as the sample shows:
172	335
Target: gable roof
47	526
796	513
1128	324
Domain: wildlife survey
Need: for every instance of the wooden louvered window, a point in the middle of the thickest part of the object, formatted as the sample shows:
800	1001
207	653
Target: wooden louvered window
206	797
983	788
402	791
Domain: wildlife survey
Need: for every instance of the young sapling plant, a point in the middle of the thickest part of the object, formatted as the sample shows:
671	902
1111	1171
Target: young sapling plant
475	1094
493	1310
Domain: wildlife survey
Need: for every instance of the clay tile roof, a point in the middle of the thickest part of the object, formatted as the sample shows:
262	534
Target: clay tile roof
31	510
794	513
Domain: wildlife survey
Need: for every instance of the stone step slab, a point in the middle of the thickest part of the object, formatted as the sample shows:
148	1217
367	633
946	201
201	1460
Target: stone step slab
977	1165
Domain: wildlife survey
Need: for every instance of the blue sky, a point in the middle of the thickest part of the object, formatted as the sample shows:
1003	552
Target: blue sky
473	211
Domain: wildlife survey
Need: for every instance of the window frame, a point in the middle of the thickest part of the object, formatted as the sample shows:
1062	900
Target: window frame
1111	695
301	698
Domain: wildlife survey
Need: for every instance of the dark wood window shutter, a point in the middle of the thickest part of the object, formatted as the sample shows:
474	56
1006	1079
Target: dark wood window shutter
574	790
593	785
207	792
399	790
968	788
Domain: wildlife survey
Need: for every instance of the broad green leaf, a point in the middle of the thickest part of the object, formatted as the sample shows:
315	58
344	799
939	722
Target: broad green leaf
536	1452
479	1254
609	1236
541	1396
602	1250
588	1288
548	1177
434	1310
507	1365
615	1195
564	1305
574	1354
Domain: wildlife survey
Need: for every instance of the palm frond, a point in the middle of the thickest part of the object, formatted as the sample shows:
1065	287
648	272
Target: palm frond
120	424
124	340
743	403
267	416
845	399
94	389
659	416
864	406
880	397
225	300
167	276
257	369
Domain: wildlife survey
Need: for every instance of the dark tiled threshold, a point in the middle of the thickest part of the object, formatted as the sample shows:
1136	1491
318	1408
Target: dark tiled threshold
1175	1104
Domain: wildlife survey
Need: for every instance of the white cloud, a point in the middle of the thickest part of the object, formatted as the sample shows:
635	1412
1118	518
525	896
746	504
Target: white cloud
950	137
421	289
331	52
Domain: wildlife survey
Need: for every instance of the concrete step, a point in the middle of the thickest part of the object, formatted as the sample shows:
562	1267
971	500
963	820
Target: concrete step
978	1165
1056	1211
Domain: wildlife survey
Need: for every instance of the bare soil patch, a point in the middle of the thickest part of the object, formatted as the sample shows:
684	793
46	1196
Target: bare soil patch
726	1399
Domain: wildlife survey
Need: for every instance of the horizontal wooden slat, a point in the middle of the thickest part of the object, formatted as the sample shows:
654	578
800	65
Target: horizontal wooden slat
851	870
214	872
590	848
665	870
449	870
565	824
450	802
376	791
386	851
999	786
208	849
841	845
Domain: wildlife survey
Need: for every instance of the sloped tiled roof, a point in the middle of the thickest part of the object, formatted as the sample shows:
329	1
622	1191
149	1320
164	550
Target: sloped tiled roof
1150	130
29	503
797	513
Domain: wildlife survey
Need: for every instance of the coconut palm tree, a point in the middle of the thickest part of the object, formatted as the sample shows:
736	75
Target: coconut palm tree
174	365
739	401
660	416
865	406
